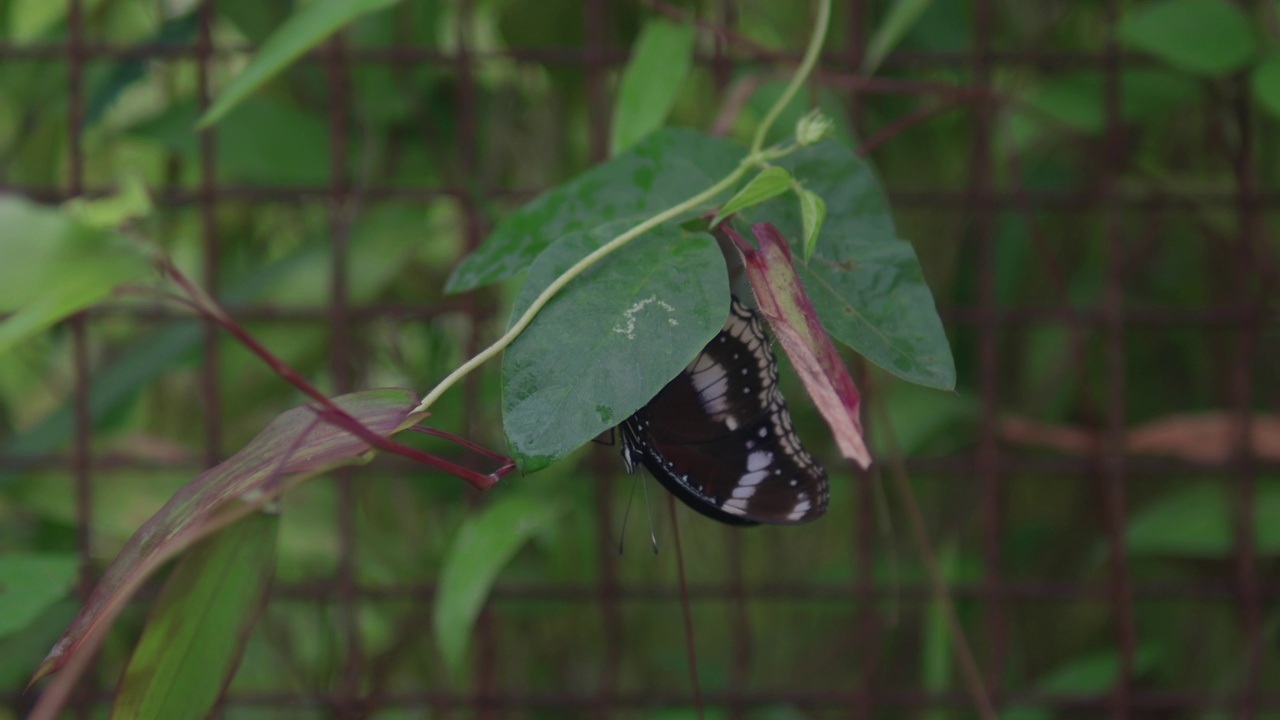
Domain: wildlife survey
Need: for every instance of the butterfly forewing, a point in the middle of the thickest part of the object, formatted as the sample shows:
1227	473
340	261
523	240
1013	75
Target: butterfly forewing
720	438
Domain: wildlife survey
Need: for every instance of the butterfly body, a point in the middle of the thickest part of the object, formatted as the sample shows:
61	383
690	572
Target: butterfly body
719	436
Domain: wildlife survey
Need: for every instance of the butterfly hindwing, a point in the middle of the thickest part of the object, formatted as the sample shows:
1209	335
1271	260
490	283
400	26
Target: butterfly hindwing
719	436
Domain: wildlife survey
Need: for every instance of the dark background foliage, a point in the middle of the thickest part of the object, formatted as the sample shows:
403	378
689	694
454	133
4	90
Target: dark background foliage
1091	194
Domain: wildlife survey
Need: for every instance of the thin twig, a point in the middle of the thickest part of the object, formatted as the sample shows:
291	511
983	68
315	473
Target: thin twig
685	609
942	595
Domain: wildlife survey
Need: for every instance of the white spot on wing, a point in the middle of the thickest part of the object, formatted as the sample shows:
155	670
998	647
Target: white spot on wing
799	510
759	460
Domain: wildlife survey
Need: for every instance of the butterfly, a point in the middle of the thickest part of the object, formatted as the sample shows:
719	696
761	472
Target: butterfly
719	437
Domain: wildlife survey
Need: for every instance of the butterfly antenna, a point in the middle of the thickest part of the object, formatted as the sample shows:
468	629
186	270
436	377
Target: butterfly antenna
622	537
648	510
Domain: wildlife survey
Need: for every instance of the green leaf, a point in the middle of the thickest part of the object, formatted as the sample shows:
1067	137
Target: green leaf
936	651
898	21
305	29
193	639
1089	675
1265	82
296	445
30	20
865	284
130	202
813	211
136	365
922	419
29	584
1078	100
484	545
1204	37
660	61
54	267
771	182
262	141
1196	521
573	373
177	30
665	168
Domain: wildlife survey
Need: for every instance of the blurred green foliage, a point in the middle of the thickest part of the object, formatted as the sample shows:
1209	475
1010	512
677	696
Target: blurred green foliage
461	156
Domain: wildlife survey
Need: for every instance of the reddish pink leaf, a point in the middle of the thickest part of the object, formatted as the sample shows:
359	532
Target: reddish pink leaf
791	317
297	441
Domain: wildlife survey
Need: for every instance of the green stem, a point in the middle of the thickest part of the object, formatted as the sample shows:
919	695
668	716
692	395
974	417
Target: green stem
545	296
756	157
806	66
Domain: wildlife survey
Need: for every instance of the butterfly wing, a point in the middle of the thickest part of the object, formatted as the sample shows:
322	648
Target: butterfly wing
719	436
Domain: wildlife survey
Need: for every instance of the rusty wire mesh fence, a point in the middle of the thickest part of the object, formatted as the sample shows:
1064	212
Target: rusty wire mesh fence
1133	261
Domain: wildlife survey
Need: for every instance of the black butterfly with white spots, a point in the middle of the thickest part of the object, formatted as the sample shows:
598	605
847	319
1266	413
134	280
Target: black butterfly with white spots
719	437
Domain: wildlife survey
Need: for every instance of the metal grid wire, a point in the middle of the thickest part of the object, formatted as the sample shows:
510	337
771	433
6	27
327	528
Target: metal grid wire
990	471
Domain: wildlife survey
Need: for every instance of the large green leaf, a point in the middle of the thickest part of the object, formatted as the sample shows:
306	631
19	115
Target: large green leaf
865	284
660	60
609	341
54	266
484	545
1206	37
664	169
30	583
306	28
192	642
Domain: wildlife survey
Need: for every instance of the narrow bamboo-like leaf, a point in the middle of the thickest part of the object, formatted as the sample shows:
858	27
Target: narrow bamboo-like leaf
771	182
665	168
1205	37
306	28
193	639
296	444
901	16
659	62
573	372
484	545
795	323
29	583
936	651
813	211
54	267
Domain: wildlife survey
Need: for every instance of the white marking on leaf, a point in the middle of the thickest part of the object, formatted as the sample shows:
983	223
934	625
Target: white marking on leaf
629	328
